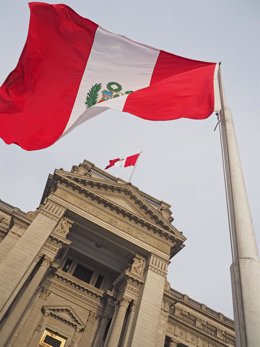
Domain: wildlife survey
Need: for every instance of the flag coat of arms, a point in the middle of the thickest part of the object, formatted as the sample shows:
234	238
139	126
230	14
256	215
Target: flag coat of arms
71	69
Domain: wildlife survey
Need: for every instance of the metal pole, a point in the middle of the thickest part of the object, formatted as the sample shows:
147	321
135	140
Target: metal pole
135	166
245	268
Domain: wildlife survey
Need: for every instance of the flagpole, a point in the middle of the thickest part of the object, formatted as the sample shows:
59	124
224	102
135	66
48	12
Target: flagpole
135	166
245	268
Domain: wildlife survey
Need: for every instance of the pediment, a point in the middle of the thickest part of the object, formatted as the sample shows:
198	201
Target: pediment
124	195
65	314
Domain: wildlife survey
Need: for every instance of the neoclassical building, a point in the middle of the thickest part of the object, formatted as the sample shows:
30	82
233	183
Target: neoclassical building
88	268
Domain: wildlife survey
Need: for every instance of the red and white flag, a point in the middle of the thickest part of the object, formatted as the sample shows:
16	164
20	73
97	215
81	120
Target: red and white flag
71	69
124	162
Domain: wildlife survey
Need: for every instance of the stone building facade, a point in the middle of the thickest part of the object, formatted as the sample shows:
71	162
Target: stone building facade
88	268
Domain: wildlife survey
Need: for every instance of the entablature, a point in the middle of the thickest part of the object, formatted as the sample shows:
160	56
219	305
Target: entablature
197	319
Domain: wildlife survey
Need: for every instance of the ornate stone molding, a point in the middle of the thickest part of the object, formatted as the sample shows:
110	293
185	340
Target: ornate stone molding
164	229
77	288
65	314
183	334
5	220
52	210
158	265
191	325
185	300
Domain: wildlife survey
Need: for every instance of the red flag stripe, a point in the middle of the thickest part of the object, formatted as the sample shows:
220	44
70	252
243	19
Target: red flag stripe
45	78
179	87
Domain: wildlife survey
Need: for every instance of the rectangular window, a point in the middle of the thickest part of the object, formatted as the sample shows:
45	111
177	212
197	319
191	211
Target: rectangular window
50	339
83	273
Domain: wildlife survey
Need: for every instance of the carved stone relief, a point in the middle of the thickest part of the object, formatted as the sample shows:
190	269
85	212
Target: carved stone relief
137	267
5	220
63	227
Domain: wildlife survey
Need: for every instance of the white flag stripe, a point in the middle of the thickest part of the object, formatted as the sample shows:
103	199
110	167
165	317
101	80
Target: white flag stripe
110	54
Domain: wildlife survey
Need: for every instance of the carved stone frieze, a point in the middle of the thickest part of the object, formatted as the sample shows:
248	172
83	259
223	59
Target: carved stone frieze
77	289
127	227
158	265
93	302
5	220
209	329
52	210
185	316
79	170
227	338
195	330
160	229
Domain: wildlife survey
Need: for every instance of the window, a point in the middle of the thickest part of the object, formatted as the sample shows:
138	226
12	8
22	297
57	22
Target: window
50	339
83	273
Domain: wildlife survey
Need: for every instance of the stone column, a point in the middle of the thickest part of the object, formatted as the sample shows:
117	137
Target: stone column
129	325
23	253
15	315
150	303
118	323
101	330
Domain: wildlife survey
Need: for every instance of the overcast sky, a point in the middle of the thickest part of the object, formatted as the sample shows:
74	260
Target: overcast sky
181	160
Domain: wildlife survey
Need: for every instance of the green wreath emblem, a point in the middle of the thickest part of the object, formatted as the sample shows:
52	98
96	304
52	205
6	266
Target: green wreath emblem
92	95
114	87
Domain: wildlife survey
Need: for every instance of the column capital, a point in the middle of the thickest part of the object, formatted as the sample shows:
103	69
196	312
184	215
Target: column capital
52	210
158	265
124	302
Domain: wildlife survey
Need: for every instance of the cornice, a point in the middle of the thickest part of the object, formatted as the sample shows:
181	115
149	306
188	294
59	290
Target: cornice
177	297
147	203
166	231
17	216
197	332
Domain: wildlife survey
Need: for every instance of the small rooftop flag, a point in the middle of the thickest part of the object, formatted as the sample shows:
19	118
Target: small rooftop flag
125	162
71	69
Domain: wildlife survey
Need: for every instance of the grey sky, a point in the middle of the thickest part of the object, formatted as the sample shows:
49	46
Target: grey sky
181	161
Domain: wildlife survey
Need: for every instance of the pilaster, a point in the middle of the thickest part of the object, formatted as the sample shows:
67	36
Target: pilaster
23	253
150	302
17	312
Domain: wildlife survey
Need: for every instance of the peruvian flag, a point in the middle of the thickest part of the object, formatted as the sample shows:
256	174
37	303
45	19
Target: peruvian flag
125	162
71	69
